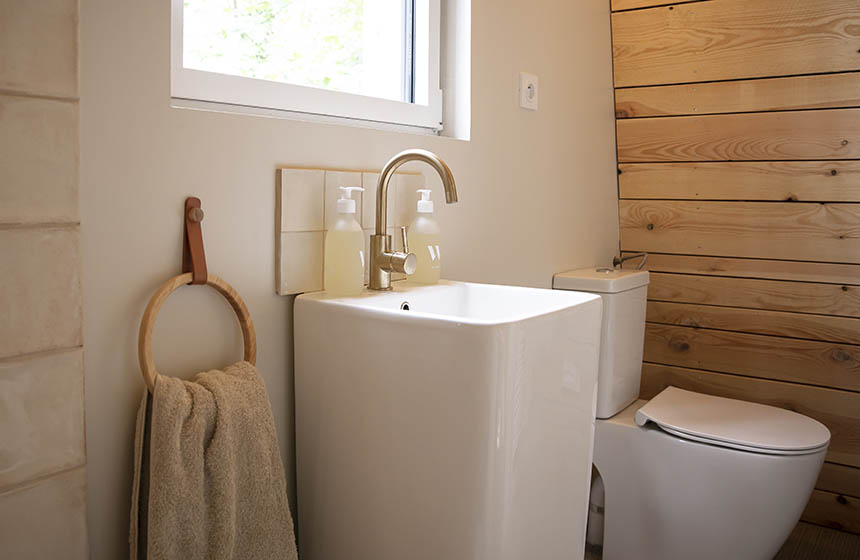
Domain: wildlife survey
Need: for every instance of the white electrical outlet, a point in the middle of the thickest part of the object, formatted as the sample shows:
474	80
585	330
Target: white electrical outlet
528	91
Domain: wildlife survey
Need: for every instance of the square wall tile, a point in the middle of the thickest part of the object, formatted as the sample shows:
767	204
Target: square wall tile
38	160
40	290
39	46
301	262
302	196
47	519
41	416
334	180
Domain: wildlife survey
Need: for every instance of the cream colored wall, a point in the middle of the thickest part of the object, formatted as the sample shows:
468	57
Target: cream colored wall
537	196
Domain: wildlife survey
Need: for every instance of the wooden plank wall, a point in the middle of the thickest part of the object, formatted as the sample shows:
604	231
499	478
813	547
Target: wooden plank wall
738	145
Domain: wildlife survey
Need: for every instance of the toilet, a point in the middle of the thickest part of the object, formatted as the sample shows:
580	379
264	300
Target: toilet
686	475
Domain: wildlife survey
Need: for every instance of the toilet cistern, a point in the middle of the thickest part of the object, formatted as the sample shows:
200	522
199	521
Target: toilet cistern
384	261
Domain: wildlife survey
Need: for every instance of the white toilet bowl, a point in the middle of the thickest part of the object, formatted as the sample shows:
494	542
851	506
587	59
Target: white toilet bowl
687	476
670	497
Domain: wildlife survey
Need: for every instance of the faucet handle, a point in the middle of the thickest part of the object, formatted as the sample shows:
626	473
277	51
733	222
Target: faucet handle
403	238
405	263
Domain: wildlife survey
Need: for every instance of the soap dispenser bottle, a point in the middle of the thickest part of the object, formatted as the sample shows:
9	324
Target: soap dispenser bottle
423	238
344	249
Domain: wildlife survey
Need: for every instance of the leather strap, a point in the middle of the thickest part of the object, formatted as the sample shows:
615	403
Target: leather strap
193	255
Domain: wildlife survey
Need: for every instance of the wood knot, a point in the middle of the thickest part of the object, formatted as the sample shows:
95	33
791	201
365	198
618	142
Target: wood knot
842	500
840	355
621	114
791	198
845	142
844	288
834	172
679	345
650	227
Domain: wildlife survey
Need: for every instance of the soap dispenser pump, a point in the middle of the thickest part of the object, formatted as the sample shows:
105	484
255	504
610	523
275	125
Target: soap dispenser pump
344	249
423	236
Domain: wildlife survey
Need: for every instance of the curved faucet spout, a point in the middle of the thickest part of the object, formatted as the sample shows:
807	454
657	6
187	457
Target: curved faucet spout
390	169
384	261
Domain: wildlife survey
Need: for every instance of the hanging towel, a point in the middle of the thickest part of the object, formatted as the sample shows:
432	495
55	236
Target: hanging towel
208	479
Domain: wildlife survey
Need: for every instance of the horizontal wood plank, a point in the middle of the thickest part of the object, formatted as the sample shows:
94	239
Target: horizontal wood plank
797	271
841	479
772	295
738	137
824	364
734	39
756	321
803	181
770	230
745	96
799	135
616	5
833	510
838	410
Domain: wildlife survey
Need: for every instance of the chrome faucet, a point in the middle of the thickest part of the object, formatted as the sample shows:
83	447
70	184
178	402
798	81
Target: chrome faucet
384	261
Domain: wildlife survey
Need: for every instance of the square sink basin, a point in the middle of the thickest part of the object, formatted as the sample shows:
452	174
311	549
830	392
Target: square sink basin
463	302
445	421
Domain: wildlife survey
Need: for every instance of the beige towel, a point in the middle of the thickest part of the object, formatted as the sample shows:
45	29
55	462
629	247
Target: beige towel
208	480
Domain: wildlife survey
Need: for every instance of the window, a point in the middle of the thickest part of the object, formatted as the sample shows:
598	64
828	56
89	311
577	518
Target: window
374	60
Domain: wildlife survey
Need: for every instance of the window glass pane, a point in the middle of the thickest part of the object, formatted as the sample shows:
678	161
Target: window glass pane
354	46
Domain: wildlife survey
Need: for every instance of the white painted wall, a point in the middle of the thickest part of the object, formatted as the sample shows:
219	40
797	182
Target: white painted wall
537	196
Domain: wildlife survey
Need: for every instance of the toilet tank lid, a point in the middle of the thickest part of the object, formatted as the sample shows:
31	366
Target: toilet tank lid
600	280
733	423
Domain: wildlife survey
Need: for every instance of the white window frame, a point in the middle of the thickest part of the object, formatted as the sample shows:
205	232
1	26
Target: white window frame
196	85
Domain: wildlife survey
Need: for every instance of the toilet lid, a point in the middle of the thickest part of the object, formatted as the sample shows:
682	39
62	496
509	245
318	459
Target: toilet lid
733	423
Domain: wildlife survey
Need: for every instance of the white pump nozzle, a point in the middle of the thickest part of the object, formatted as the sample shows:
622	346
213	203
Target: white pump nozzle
425	205
345	204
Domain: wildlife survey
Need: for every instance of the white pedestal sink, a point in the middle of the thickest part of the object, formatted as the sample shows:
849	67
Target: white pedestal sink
458	429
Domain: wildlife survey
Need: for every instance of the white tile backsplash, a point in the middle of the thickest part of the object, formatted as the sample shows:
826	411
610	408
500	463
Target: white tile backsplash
302	196
307	202
301	262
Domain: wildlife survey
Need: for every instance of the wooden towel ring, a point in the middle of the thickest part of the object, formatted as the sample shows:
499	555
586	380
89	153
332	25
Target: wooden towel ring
144	345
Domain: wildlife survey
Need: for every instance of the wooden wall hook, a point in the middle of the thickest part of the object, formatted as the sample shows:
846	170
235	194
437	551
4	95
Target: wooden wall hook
193	272
193	254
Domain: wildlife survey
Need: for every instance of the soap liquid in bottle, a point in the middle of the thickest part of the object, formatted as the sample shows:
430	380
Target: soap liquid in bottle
344	258
423	237
344	250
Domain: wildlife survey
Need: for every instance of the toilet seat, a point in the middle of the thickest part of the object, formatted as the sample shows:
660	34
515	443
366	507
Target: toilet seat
670	497
735	424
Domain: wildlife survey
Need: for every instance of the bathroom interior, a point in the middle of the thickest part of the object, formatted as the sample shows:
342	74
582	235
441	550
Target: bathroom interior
540	279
